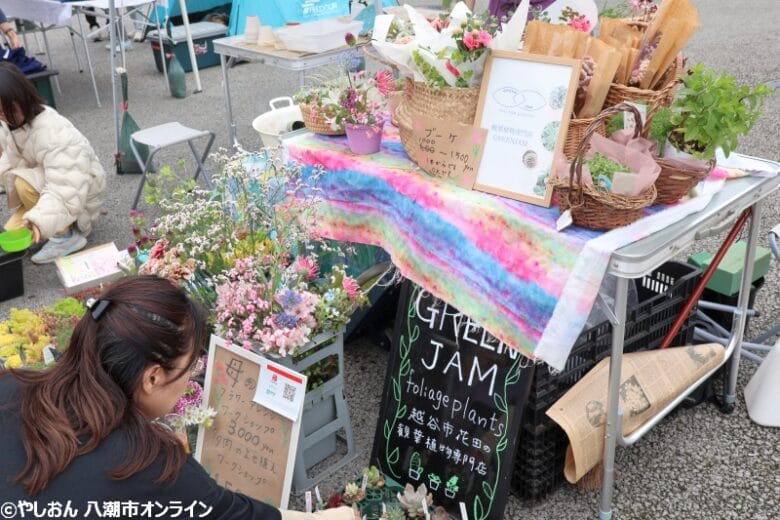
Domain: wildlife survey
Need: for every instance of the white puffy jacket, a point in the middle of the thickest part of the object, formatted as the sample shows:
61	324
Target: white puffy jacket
58	161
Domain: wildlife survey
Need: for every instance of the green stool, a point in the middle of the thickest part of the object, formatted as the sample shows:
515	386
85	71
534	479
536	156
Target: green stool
42	82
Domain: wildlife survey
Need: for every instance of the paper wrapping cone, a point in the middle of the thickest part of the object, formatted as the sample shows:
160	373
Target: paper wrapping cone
650	381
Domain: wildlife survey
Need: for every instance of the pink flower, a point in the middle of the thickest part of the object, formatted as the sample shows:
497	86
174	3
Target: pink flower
470	40
193	396
580	23
385	82
484	38
158	249
450	67
306	267
350	39
351	287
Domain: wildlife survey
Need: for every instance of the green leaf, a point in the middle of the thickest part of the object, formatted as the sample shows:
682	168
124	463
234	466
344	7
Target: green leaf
487	490
401	412
387	429
479	510
502	444
500	402
393	457
397	389
405	366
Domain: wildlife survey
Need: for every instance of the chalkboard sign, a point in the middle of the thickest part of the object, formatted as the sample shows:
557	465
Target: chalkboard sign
451	409
249	448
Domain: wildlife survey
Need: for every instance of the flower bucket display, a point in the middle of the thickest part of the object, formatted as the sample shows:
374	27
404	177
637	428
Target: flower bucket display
364	139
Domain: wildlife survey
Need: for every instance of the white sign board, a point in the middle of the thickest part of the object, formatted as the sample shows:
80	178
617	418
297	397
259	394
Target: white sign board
525	105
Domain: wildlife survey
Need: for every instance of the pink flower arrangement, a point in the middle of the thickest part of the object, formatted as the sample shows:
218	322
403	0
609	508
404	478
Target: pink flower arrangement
385	82
280	318
306	267
580	23
193	396
351	287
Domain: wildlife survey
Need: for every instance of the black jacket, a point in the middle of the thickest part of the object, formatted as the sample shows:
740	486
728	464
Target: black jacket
86	485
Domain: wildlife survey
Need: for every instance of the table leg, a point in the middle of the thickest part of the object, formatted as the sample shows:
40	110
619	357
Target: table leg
48	56
614	422
89	59
232	138
75	51
738	323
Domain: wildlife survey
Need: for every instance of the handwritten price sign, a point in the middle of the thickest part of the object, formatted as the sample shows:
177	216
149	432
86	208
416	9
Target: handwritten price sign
449	151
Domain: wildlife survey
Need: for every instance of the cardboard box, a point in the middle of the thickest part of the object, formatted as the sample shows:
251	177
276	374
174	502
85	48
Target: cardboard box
89	268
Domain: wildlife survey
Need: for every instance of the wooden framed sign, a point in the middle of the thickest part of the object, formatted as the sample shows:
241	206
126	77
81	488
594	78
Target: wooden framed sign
451	409
525	104
250	448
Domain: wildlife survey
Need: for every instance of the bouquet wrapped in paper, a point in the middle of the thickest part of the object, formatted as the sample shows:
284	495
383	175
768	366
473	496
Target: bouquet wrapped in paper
445	51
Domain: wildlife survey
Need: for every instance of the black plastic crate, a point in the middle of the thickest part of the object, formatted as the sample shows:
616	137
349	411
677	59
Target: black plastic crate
542	444
11	274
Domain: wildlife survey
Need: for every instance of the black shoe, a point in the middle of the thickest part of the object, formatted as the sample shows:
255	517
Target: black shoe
97	37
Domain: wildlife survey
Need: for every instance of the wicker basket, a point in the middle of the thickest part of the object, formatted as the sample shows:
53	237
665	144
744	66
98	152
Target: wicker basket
448	103
662	97
576	134
317	123
674	182
593	208
404	123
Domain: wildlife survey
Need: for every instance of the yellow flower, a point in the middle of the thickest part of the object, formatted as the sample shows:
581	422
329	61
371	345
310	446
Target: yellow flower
13	362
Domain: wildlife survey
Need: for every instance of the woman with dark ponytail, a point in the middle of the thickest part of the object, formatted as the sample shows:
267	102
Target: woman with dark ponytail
84	431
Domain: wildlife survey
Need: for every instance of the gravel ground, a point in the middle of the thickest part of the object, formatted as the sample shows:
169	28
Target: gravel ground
696	464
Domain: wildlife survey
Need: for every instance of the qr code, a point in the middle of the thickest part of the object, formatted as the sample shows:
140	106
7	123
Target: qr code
288	392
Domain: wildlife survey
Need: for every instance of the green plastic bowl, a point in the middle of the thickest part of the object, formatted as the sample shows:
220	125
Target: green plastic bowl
15	240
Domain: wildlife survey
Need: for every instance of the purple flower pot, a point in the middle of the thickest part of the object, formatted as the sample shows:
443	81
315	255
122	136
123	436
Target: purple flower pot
364	139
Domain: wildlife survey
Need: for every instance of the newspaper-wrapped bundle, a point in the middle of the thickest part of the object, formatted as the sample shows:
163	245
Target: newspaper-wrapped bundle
651	380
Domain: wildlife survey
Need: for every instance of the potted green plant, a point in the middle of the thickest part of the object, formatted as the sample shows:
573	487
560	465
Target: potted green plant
710	111
434	481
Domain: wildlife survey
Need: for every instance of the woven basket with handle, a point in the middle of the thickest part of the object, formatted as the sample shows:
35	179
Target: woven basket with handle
315	121
675	180
662	97
577	131
591	207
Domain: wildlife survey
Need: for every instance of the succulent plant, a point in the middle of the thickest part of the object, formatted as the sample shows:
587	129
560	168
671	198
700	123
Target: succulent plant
352	493
394	513
412	500
375	478
439	513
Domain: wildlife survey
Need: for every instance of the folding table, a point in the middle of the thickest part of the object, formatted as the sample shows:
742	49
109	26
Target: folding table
640	258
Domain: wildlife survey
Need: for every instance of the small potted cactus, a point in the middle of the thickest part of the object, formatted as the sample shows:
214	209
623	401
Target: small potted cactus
415	467
434	481
452	487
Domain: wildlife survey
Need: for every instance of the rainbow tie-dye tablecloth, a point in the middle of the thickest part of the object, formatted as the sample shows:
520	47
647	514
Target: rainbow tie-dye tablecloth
499	261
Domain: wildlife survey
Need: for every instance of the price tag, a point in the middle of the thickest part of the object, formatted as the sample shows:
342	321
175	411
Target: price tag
628	117
564	221
464	515
365	483
319	497
425	508
308	502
